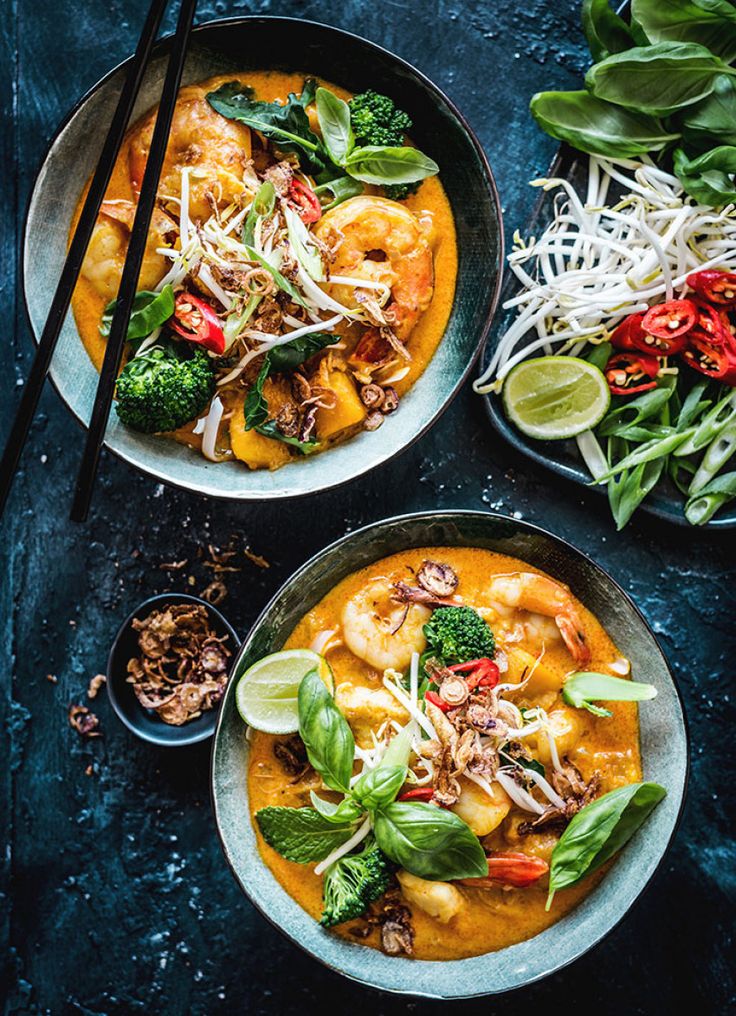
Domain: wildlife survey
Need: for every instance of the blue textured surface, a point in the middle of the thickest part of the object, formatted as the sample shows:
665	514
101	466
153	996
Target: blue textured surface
121	901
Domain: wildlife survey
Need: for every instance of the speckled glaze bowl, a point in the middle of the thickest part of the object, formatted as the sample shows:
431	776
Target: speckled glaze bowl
227	46
664	748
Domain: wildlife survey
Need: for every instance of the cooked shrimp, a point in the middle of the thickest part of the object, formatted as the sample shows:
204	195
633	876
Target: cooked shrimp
373	630
541	595
381	241
103	263
215	148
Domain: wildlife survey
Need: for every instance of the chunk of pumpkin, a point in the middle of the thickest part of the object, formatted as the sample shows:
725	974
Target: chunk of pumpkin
521	663
257	451
348	410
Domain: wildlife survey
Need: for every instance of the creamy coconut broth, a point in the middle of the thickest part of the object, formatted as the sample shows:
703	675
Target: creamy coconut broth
375	306
542	634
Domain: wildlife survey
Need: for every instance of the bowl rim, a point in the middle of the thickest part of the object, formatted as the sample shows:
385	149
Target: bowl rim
491	189
427	516
183	736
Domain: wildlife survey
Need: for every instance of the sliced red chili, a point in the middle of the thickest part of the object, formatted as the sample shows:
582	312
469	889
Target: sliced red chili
718	362
719	287
631	373
195	321
508	867
433	697
306	200
417	794
483	672
629	333
711	324
665	323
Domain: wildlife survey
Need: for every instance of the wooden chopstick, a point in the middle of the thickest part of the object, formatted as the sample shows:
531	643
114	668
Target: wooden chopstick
132	266
77	249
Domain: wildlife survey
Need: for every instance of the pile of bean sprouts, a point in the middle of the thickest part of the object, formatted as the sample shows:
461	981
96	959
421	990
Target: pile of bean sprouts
596	263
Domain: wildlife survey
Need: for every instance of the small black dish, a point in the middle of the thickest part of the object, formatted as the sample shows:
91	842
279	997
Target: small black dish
144	722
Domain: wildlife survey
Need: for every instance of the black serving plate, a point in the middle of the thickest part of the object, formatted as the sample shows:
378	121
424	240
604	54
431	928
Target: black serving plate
563	457
144	723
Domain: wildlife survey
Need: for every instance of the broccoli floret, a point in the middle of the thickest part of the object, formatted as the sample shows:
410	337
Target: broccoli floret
377	121
399	191
353	883
459	634
164	388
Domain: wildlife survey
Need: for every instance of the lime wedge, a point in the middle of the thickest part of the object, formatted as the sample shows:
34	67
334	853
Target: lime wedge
554	397
266	695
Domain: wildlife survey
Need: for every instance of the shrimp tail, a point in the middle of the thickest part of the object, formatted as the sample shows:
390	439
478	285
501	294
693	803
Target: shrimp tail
573	638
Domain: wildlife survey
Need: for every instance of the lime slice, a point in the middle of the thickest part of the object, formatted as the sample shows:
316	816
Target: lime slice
266	695
554	397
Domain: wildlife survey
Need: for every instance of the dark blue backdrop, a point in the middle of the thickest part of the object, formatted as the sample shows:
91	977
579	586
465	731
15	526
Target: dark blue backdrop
115	896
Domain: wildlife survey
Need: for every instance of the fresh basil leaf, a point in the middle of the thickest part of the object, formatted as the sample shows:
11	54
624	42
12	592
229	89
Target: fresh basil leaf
269	429
334	121
326	734
712	23
285	357
598	831
263	205
389	165
379	786
150	311
292	354
256	407
286	125
599	355
605	31
710	177
346	810
429	842
281	281
587	686
302	834
713	120
341	188
658	79
597	127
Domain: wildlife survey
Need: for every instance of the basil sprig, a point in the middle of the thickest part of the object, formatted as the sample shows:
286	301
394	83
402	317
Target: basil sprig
286	125
326	735
281	358
666	76
428	841
599	830
150	311
582	689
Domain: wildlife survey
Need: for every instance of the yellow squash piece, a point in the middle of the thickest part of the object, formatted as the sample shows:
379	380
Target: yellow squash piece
257	451
521	663
347	412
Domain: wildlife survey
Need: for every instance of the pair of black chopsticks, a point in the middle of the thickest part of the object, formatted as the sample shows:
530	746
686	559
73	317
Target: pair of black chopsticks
131	270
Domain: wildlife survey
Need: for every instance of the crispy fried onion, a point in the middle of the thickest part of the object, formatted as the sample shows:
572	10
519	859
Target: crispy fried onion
571	786
460	749
182	667
394	919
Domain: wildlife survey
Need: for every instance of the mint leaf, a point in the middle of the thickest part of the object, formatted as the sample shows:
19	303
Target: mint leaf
301	834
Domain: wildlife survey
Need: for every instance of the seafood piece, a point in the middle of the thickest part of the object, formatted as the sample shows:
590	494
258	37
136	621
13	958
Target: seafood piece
381	631
366	709
103	263
438	899
482	812
565	727
381	242
215	149
541	595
